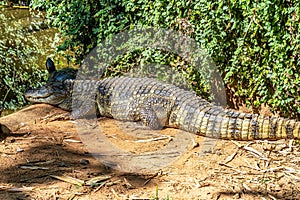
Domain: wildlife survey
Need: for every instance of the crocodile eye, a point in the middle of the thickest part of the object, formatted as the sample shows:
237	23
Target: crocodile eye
68	82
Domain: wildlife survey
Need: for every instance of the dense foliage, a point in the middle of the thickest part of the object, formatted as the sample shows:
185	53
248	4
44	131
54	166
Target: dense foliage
21	48
255	44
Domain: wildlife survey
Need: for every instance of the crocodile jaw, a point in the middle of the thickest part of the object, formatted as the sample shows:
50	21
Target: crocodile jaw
44	95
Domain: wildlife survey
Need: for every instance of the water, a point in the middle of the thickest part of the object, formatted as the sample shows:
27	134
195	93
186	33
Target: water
27	30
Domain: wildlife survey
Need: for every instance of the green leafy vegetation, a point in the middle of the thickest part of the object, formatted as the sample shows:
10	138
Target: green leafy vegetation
20	50
26	40
255	44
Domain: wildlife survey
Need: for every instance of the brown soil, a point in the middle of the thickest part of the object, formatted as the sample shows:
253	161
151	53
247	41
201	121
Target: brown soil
44	148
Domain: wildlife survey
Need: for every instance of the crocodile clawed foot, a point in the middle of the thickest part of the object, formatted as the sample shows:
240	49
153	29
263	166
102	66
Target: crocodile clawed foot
133	126
57	117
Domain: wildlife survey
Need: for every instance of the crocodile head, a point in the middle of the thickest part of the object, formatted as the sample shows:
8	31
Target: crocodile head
58	89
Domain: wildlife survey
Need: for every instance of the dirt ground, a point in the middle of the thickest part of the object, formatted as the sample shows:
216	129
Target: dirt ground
45	158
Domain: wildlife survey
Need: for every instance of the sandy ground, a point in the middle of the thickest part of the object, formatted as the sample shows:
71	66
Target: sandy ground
47	157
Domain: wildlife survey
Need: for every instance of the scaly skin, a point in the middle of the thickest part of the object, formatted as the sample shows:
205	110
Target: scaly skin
158	105
56	91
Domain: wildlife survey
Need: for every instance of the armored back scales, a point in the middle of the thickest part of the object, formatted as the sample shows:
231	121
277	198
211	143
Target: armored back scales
158	105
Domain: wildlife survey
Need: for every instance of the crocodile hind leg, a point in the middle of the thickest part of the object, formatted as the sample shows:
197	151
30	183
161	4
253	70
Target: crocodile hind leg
149	118
154	112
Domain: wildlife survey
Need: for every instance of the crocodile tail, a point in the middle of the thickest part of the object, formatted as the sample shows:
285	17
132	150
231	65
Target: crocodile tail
241	126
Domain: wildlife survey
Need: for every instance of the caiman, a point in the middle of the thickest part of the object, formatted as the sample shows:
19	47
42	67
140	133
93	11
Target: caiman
159	104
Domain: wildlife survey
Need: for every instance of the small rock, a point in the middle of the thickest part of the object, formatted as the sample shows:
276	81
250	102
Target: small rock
12	140
62	164
84	162
4	130
20	149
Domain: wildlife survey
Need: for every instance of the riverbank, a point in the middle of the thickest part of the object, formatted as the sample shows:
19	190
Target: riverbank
44	158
